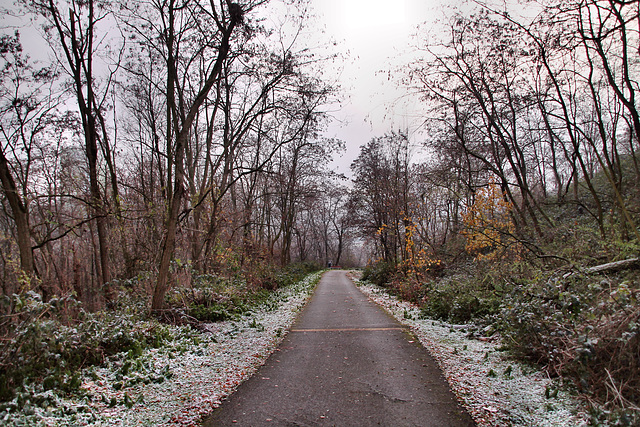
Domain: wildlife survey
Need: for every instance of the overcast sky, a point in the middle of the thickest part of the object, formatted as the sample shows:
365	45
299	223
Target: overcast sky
377	36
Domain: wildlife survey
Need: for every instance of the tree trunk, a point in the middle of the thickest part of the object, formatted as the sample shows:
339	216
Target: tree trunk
171	224
20	216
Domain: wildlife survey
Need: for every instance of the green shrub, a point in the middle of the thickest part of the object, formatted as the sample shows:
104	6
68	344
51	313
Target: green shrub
461	300
585	329
212	298
378	273
270	277
212	313
42	349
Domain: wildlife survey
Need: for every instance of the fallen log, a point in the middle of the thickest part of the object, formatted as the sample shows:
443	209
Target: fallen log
626	264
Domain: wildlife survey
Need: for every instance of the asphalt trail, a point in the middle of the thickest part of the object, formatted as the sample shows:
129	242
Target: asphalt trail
345	362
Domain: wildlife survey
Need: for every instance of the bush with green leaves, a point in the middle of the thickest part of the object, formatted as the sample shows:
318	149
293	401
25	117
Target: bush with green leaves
583	328
460	299
45	347
267	276
295	272
213	298
379	273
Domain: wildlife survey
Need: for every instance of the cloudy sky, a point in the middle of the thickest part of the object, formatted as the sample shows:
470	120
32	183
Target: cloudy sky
375	35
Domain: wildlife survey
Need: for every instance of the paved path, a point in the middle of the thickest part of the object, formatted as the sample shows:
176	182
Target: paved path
346	362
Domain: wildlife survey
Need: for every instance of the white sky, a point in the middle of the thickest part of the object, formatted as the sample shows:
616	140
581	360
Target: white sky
376	37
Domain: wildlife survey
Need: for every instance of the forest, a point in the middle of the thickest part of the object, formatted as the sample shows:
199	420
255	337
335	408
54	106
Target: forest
165	163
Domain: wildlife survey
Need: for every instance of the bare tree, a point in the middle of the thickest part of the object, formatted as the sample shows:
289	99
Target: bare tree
180	126
25	106
74	34
382	193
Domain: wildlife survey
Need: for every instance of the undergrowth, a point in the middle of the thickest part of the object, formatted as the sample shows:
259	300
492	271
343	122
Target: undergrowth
583	328
43	346
47	345
212	298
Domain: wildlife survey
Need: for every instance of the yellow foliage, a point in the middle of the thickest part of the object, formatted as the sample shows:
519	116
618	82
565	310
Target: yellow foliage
416	262
488	225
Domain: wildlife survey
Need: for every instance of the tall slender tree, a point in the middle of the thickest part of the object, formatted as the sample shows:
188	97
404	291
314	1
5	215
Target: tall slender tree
25	103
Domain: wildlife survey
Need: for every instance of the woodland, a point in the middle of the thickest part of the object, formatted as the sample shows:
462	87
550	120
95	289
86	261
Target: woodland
164	162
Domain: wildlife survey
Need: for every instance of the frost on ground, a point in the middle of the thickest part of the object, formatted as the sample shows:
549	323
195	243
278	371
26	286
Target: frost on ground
495	390
177	384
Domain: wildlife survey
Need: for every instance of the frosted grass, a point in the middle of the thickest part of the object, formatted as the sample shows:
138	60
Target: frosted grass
495	390
180	383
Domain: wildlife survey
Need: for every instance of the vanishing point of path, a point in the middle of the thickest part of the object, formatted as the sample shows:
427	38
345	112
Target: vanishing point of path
346	362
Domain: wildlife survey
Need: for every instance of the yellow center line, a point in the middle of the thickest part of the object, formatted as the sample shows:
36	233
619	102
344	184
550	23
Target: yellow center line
347	329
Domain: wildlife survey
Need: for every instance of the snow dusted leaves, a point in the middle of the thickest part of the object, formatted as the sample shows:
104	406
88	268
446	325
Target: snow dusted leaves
211	370
496	391
181	382
178	384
